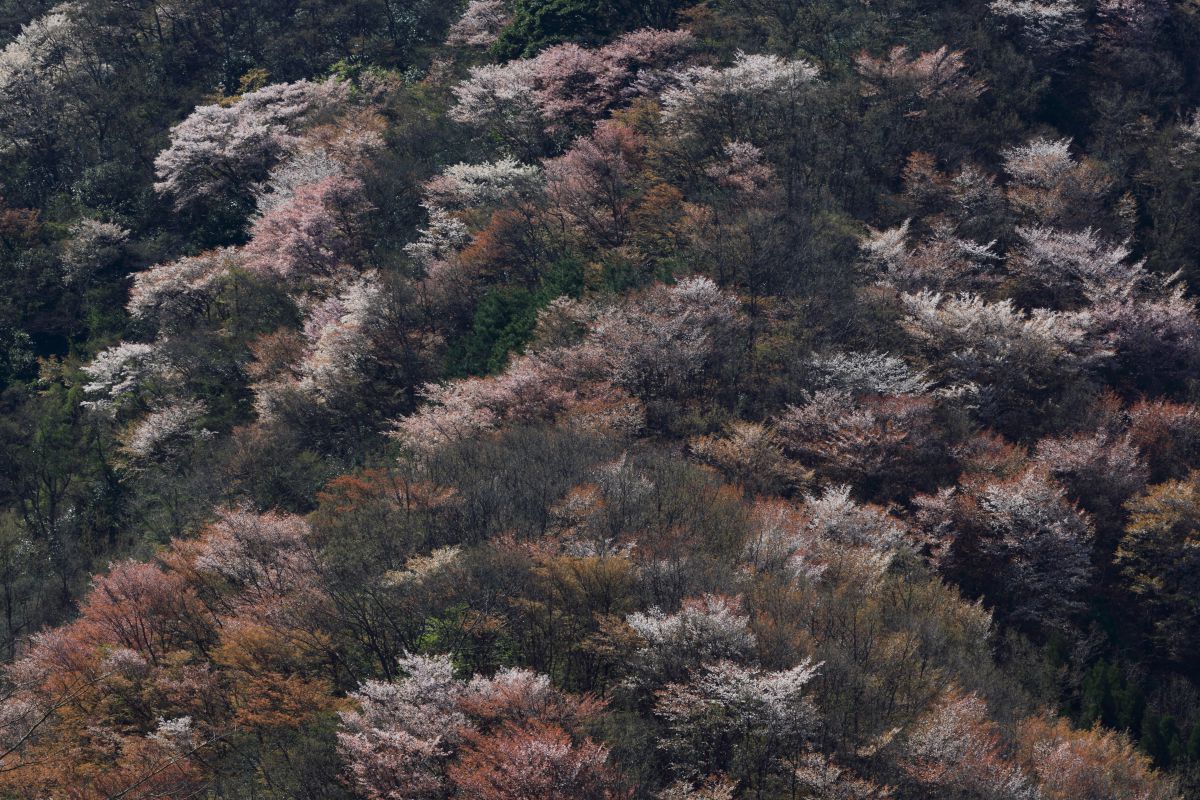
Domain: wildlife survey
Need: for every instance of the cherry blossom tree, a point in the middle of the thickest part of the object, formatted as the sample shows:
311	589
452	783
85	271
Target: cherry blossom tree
1050	186
534	760
522	696
740	720
126	374
1155	339
1043	541
480	24
494	183
745	171
306	167
340	332
1017	360
222	152
705	630
1063	269
667	337
712	788
313	235
93	245
565	87
751	454
174	295
496	98
591	183
1047	27
831	540
653	345
957	749
861	374
1099	763
394	746
940	75
1016	539
141	607
1100	470
739	102
48	80
943	261
261	555
873	442
1131	23
165	431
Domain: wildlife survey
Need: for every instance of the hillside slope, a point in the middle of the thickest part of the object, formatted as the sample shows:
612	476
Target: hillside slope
558	399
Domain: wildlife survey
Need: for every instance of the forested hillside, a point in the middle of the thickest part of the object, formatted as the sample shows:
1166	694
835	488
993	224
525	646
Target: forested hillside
610	400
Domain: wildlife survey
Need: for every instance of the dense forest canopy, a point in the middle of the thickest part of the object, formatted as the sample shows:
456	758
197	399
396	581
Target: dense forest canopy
512	399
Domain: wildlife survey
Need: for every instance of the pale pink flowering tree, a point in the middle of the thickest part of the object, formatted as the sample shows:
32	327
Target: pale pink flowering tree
874	442
565	87
222	152
1043	541
744	720
444	279
261	555
340	333
1067	269
306	167
528	390
576	86
591	183
1016	359
654	344
313	235
165	430
705	630
1046	27
534	760
745	170
497	98
738	102
128	374
93	245
1189	135
48	81
489	184
940	75
956	747
480	24
1017	537
837	519
1100	764
819	541
1155	339
942	262
1049	186
750	454
175	294
397	742
139	606
667	337
522	696
1100	470
873	373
